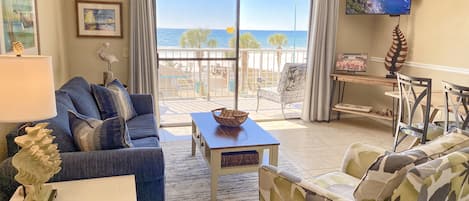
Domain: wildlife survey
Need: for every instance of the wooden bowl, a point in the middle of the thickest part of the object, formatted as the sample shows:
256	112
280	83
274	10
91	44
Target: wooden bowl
230	118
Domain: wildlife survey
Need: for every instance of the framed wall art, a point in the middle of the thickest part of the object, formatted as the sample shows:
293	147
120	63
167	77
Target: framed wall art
99	19
18	22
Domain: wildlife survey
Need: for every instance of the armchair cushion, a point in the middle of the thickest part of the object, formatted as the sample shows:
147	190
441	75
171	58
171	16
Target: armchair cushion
389	170
359	157
338	183
445	178
275	185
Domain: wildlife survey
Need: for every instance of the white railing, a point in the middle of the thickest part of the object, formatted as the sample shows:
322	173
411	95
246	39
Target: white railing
188	79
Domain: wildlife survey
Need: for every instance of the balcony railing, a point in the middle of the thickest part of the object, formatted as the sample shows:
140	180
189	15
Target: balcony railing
189	79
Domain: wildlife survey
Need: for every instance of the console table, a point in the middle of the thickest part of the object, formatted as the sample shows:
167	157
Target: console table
342	79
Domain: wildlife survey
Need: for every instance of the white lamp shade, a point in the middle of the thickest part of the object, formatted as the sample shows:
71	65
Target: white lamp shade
26	88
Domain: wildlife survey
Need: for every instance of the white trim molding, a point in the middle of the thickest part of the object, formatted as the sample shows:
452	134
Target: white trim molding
450	69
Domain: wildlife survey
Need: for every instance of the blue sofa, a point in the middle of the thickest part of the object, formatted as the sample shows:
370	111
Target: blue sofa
144	160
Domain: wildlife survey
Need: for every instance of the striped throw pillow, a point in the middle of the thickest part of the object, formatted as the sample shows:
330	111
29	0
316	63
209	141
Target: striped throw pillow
93	134
113	100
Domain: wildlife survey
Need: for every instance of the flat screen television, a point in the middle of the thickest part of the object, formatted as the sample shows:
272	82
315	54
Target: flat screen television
378	7
351	62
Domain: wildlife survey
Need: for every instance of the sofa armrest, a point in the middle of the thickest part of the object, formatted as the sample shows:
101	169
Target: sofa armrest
284	186
359	157
147	164
143	103
429	180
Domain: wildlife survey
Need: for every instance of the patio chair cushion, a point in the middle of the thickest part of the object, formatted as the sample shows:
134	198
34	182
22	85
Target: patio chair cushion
113	100
92	134
388	171
337	183
292	77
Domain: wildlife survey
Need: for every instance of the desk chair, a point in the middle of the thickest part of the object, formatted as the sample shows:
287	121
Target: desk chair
456	97
409	102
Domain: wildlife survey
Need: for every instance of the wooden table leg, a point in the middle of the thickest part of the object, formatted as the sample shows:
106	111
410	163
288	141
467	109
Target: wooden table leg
273	155
194	130
215	164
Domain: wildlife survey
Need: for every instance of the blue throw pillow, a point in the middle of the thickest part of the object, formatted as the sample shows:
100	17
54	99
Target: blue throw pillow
113	100
92	134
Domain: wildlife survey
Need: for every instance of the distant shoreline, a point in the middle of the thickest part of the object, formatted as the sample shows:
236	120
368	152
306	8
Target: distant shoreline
168	37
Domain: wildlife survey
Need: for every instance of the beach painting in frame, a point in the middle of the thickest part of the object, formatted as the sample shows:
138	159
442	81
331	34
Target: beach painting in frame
99	19
351	62
18	22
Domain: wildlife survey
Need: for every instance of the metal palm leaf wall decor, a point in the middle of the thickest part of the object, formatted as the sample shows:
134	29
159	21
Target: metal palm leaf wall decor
397	54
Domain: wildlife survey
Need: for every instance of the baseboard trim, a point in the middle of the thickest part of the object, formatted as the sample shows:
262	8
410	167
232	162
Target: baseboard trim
435	67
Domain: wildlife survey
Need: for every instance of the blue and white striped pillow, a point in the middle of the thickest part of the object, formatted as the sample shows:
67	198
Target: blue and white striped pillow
93	134
113	100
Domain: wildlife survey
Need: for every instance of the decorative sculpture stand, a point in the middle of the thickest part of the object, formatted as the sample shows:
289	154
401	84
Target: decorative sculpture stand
397	54
36	162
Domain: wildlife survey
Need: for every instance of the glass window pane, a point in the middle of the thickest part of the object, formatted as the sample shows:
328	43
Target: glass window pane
196	28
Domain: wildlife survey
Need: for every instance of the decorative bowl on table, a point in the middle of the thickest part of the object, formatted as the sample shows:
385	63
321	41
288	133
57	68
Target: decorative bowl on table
230	118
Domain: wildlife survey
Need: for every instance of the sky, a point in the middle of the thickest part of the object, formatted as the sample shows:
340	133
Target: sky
220	14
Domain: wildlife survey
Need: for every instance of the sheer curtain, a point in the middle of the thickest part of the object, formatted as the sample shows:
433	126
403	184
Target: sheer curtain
143	61
321	55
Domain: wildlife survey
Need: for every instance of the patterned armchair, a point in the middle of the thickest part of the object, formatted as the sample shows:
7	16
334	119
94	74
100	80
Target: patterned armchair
438	170
290	88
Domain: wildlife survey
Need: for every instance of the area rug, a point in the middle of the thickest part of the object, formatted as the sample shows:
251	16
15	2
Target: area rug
188	178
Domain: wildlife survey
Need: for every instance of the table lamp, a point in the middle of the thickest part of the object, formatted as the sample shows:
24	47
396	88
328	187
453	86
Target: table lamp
27	89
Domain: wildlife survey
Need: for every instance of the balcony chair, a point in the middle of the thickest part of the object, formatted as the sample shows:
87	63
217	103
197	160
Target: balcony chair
290	88
456	97
415	93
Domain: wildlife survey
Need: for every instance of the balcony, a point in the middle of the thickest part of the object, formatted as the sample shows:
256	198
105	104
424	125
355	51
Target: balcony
187	86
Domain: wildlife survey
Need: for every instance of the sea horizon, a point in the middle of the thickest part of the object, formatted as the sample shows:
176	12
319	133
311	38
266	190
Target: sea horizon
169	37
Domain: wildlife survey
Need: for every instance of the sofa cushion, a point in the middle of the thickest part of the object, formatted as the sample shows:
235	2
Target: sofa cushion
388	171
142	126
93	134
146	142
113	100
59	124
80	92
337	183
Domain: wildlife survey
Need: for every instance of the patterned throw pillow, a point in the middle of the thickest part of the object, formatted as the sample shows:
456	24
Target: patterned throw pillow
93	134
389	170
113	100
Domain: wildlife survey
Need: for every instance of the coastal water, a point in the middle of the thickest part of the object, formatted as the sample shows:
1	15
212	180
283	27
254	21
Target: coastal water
296	39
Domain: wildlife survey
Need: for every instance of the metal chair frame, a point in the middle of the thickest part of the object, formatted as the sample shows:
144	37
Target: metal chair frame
457	97
409	102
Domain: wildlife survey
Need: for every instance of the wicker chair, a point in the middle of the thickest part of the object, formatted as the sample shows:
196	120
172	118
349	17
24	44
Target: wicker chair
290	88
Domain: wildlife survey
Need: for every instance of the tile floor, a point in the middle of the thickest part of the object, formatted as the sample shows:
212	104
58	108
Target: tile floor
315	148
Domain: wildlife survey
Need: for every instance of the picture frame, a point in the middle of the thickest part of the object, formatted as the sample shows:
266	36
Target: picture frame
19	22
99	19
351	62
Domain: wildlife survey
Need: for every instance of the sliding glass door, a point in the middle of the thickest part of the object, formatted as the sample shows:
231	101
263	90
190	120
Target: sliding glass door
203	66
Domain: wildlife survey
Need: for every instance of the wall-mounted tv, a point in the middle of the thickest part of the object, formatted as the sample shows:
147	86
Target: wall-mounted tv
378	7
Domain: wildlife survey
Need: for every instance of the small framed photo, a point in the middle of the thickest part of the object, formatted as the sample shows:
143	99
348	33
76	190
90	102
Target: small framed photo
351	62
99	19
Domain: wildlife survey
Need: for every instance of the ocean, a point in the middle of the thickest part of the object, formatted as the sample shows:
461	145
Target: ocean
296	39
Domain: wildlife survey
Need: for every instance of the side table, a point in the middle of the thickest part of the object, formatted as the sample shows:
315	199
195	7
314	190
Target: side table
118	188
